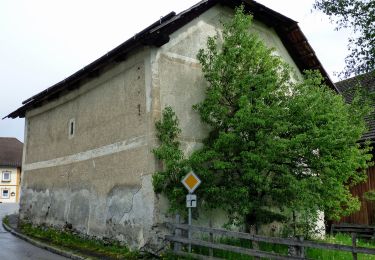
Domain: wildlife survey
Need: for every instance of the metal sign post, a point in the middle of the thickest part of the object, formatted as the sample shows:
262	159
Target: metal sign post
191	182
189	231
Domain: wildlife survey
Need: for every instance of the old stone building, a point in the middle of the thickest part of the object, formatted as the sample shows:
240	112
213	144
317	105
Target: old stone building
88	158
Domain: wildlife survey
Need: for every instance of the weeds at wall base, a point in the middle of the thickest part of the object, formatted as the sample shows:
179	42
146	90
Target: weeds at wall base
6	220
96	248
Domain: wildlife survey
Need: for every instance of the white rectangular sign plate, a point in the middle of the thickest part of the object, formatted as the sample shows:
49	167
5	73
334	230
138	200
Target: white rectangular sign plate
191	201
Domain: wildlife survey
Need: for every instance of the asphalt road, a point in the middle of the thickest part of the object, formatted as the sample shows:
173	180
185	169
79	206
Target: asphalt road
13	248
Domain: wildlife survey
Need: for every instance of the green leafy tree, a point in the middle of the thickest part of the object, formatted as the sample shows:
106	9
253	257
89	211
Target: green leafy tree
276	145
168	180
360	16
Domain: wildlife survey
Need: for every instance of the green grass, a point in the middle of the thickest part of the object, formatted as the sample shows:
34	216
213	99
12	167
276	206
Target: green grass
6	220
90	247
283	250
341	239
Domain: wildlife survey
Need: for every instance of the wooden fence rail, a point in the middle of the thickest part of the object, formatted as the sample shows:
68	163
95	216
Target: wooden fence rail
364	231
299	245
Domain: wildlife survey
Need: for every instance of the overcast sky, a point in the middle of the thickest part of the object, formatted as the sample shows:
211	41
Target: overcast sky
43	41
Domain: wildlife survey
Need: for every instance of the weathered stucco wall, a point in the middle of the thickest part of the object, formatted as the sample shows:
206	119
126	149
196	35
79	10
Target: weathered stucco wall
106	110
99	180
179	75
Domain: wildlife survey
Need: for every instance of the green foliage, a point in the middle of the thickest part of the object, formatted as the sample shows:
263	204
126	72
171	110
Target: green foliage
370	195
168	180
342	239
6	220
276	145
242	100
67	239
360	16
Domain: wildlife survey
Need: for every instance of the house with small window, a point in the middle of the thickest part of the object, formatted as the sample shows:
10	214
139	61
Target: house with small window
10	169
89	138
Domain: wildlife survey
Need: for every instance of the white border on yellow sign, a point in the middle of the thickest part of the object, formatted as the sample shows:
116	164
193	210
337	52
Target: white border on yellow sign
191	190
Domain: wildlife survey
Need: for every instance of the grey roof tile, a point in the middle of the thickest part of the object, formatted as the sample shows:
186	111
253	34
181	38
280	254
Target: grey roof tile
10	152
347	89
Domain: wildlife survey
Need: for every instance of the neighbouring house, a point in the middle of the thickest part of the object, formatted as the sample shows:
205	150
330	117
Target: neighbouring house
89	138
10	169
366	215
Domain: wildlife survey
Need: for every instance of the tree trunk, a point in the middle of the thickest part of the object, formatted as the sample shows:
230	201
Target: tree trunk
252	228
294	224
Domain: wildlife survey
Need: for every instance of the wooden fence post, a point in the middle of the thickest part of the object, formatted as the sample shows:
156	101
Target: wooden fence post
254	244
292	250
301	249
354	244
177	233
297	250
210	250
332	229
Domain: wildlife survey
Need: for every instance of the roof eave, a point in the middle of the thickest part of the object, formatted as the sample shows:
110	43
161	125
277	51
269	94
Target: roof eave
158	33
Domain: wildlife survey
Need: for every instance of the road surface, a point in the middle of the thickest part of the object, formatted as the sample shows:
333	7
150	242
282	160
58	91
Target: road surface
13	248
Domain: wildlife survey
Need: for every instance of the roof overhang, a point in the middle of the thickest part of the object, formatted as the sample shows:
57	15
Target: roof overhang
158	34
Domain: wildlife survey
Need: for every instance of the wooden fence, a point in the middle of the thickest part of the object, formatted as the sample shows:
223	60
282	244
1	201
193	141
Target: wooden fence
363	231
296	246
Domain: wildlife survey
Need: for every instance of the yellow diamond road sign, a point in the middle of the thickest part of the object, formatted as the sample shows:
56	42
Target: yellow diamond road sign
191	182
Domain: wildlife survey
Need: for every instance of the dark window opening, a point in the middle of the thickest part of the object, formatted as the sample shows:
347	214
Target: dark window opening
71	128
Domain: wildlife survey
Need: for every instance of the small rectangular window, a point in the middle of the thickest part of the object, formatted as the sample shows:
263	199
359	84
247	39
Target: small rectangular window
6	176
5	193
71	128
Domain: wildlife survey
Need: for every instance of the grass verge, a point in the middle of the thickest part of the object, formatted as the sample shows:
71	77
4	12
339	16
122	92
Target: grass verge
69	240
342	239
6	220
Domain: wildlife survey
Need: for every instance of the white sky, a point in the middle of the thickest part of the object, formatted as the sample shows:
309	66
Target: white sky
44	41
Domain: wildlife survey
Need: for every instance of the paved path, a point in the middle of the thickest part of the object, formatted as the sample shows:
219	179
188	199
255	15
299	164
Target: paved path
13	248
